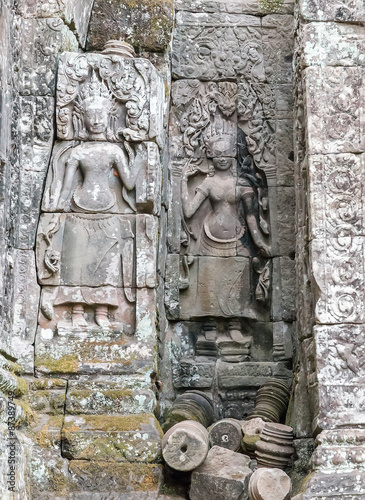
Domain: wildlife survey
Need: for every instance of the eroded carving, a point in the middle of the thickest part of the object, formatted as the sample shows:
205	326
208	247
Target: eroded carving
123	91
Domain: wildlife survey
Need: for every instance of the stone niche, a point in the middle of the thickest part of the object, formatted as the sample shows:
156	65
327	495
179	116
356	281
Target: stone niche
96	248
229	293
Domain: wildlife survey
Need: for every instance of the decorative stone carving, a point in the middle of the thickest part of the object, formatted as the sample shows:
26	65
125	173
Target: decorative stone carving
204	119
125	94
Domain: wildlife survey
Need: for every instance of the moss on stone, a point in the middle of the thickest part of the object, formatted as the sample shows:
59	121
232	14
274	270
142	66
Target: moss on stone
66	364
29	416
22	386
129	476
40	384
109	423
270	6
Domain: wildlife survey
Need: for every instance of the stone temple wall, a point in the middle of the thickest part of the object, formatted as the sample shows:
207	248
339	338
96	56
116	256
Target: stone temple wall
230	288
160	231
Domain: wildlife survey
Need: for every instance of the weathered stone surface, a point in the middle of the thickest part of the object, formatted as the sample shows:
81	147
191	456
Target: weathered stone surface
341	44
338	450
112	438
88	352
39	41
250	374
26	300
282	341
145	25
341	11
333	97
269	484
19	459
185	445
121	395
93	476
76	13
194	373
109	81
284	289
224	474
235	6
319	486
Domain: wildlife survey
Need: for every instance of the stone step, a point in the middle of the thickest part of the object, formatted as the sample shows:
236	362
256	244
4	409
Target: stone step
122	438
111	395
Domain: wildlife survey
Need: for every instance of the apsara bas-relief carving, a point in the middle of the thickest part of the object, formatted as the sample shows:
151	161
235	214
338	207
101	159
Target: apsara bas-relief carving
129	96
93	247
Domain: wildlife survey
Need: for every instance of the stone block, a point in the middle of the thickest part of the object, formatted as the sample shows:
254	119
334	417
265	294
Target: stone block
284	147
334	98
249	374
224	474
342	11
283	289
26	300
145	25
282	208
83	352
338	275
74	12
341	44
191	58
336	181
194	373
38	43
95	476
321	485
122	395
48	470
339	450
147	227
278	47
282	341
121	438
235	6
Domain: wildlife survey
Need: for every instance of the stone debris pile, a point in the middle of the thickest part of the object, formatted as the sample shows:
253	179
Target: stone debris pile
231	459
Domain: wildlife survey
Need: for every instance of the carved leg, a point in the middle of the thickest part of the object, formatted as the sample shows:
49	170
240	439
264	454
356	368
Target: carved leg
77	315
101	316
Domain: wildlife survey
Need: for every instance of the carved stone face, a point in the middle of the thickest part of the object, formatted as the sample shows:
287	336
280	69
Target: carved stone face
222	163
96	116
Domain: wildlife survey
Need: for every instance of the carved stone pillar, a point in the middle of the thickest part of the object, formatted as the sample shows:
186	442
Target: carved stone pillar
330	171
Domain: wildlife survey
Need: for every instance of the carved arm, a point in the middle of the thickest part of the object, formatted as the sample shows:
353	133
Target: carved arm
71	168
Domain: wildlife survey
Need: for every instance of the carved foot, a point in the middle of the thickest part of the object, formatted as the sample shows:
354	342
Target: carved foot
101	317
77	315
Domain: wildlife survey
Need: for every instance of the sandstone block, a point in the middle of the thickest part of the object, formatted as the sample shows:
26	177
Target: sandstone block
146	25
224	474
112	438
269	484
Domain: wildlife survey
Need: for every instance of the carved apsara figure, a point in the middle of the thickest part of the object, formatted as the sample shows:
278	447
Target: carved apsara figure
233	212
97	245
